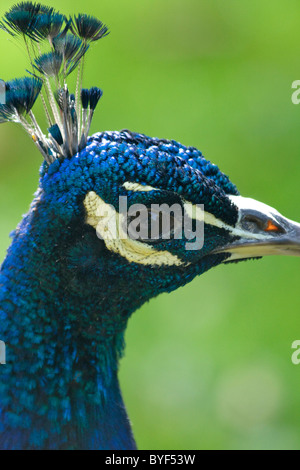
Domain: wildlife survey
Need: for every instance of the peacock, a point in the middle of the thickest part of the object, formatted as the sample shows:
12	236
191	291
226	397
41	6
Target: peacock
94	245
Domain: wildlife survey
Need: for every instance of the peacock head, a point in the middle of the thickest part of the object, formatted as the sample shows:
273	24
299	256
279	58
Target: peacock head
145	215
149	215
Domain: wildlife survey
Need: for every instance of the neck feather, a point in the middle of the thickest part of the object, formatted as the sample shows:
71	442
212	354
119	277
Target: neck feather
59	388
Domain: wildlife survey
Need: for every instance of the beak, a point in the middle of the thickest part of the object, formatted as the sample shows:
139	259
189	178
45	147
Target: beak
261	231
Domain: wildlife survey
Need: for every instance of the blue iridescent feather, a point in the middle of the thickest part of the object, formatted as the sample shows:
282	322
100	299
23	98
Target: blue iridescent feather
58	281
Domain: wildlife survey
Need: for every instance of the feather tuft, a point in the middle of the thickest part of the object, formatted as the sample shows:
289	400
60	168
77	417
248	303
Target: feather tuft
68	46
49	64
95	95
23	18
49	26
21	93
88	27
18	22
69	115
85	98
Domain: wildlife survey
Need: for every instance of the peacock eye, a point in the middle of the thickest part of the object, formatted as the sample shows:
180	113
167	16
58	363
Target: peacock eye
255	224
271	227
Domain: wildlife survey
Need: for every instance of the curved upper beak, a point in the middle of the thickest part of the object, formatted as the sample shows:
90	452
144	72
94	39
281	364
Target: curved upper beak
253	241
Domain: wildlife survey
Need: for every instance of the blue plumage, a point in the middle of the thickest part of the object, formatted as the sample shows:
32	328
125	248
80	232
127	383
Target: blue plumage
67	287
58	281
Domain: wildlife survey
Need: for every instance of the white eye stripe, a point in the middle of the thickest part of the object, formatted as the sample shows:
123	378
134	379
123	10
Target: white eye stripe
196	212
108	223
249	203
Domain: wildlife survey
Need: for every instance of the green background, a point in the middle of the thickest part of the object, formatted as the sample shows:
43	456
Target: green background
208	366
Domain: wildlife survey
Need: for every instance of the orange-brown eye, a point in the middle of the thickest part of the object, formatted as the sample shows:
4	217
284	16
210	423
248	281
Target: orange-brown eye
271	227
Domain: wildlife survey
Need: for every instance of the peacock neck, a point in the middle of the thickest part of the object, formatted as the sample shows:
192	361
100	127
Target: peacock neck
64	336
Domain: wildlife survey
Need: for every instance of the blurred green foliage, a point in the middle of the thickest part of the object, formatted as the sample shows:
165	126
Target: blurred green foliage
209	366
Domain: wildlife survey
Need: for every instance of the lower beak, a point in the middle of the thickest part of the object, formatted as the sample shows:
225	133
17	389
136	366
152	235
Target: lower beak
258	249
